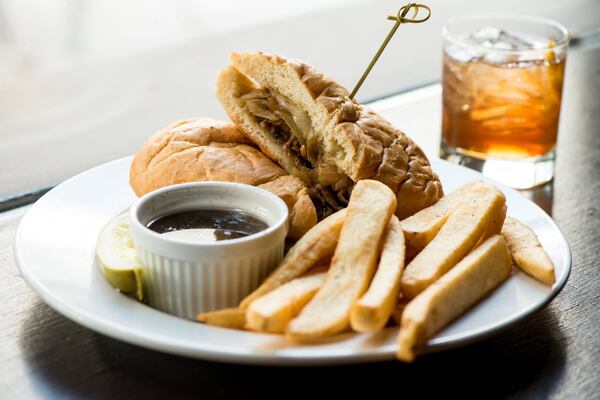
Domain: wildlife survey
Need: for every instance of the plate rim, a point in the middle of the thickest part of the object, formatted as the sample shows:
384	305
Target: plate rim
220	354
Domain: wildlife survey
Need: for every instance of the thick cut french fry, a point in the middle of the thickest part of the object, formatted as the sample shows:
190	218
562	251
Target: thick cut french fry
318	243
273	311
234	318
369	210
495	226
372	311
420	228
458	236
527	252
454	293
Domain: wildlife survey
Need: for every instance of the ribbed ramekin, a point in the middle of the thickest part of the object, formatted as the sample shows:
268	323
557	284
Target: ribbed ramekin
184	278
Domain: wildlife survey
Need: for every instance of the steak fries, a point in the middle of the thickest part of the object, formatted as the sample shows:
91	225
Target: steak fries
273	311
527	251
352	265
462	230
462	248
233	318
453	294
372	311
420	228
315	246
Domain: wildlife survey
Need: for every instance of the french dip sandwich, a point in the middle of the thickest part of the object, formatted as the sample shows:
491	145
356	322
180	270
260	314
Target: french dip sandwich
310	126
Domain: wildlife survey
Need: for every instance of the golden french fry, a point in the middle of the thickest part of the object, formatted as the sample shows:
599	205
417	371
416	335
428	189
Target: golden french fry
234	318
462	230
495	226
527	252
352	264
420	228
318	243
372	311
454	293
273	311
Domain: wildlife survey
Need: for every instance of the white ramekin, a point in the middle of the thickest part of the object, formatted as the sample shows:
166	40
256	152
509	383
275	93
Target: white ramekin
183	278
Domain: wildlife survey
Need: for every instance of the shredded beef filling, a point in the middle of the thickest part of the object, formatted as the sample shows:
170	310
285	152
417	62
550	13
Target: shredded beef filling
271	117
327	200
286	130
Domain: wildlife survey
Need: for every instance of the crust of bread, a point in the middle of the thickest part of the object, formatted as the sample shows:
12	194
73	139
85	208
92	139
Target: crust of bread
358	141
231	85
292	191
201	149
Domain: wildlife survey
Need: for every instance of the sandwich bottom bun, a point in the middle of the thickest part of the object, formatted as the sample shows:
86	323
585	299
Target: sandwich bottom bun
202	149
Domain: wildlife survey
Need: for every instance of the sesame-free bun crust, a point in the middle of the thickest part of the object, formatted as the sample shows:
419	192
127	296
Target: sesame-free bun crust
358	142
202	149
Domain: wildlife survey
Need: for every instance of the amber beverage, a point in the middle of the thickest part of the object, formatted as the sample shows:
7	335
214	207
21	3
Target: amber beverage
502	87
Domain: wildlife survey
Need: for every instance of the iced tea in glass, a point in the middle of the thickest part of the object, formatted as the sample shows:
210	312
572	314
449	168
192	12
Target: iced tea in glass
502	86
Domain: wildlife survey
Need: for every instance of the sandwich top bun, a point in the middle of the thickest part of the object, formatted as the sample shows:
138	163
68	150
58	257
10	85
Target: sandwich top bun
202	149
310	126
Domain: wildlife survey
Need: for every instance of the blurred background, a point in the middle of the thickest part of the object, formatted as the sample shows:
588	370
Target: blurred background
84	82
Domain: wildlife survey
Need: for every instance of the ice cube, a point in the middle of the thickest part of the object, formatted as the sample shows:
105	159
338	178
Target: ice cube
500	39
486	34
491	38
461	53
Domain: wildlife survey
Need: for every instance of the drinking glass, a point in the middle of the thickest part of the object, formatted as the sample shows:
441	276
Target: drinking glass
502	86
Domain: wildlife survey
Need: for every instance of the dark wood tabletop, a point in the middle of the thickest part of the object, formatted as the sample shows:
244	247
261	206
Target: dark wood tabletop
554	354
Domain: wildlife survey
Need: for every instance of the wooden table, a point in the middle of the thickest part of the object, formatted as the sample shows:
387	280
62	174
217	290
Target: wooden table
556	353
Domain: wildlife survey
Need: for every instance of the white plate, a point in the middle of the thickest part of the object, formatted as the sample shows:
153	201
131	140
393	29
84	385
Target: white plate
55	250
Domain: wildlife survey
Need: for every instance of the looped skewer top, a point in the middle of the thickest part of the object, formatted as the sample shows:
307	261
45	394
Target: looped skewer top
405	9
400	18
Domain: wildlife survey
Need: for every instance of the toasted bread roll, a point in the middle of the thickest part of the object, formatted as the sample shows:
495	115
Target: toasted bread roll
201	149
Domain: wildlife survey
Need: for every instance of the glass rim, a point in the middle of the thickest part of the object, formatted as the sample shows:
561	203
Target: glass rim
564	40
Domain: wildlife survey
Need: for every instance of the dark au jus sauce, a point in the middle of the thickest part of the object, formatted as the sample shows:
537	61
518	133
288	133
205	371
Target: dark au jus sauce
227	224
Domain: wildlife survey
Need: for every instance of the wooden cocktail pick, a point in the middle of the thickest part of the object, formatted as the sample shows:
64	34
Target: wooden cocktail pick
400	18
